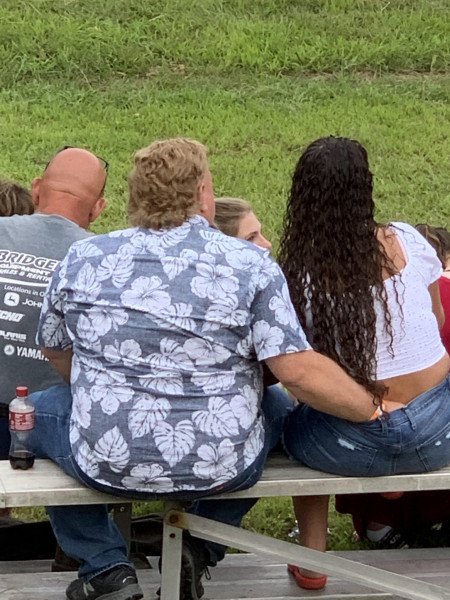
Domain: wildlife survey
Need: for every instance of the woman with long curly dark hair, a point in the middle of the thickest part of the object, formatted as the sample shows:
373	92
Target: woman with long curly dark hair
368	296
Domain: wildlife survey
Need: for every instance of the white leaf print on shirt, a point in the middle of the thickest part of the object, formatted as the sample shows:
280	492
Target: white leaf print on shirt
74	433
128	352
218	464
125	233
148	478
81	407
75	371
87	460
141	243
245	346
165	368
86	287
176	316
173	355
85	249
218	421
105	319
269	272
116	267
267	339
244	259
204	352
213	383
209	259
217	243
214	281
163	381
147	294
147	411
224	312
174	443
113	449
174	265
172	237
254	444
111	390
85	331
282	306
245	406
53	332
56	300
92	368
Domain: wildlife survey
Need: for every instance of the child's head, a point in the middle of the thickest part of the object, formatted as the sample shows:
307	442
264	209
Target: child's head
14	200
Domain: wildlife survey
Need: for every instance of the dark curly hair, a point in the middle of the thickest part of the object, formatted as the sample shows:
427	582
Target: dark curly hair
332	258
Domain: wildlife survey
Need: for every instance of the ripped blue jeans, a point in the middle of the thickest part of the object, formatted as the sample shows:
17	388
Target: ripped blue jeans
413	439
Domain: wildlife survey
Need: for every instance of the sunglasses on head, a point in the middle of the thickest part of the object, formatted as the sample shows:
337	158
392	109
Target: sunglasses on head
104	162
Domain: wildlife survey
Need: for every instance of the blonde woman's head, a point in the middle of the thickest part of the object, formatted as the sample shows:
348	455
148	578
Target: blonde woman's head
235	217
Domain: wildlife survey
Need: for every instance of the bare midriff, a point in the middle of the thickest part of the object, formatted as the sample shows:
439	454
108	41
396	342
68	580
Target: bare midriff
404	388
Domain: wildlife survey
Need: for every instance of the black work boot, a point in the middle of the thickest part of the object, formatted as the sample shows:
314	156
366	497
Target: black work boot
194	564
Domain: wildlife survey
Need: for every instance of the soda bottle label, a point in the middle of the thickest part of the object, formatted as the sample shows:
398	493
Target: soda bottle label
21	421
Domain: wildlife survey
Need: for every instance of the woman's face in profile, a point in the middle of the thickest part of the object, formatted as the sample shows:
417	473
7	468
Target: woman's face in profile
250	229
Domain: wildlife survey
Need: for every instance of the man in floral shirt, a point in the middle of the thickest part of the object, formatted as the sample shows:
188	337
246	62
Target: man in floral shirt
160	330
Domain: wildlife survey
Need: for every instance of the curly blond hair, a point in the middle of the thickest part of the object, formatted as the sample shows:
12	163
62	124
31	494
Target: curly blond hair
14	200
164	181
229	212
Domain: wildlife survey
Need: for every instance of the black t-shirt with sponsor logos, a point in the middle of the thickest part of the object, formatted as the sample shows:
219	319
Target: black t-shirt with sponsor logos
31	247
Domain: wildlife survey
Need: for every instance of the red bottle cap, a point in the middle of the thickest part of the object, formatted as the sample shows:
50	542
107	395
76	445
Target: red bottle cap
21	391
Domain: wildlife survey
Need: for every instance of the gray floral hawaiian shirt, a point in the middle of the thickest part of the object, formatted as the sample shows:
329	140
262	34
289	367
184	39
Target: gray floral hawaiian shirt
167	328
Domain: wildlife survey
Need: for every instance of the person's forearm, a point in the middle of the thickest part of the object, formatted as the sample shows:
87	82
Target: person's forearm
321	383
60	360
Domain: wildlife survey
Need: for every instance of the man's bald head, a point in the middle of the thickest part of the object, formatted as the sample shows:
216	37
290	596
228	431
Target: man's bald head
72	186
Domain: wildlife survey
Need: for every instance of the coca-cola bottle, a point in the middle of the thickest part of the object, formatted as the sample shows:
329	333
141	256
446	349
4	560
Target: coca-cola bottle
21	424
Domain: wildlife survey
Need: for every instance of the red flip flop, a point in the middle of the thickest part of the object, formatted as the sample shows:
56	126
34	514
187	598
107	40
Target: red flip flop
305	582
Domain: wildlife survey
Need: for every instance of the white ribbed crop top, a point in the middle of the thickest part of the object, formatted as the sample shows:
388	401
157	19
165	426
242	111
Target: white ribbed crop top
416	340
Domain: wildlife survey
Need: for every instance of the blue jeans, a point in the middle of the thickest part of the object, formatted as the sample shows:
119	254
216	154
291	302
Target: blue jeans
413	439
276	405
87	533
5	438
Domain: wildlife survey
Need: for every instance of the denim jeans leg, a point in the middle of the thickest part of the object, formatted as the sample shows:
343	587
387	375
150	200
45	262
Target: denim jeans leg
86	533
275	405
5	438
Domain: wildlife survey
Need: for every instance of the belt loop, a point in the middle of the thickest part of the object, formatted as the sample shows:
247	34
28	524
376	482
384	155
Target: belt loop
411	417
383	420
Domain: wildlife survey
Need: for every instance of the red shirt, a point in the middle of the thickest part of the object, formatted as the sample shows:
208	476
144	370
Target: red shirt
444	288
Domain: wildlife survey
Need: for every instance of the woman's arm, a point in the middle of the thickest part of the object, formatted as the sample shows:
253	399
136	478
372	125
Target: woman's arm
437	304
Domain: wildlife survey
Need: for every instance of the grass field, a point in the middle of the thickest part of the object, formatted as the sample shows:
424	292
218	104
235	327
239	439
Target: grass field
255	80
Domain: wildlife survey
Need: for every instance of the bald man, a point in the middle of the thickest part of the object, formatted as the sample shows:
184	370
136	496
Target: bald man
68	198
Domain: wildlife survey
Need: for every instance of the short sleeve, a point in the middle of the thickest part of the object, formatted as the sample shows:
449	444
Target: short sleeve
52	331
276	329
419	250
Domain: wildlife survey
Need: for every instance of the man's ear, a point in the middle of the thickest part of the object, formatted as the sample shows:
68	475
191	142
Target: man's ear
201	196
97	209
35	190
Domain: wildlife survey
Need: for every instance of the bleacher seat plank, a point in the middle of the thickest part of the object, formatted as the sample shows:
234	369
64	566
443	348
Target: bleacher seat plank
245	576
47	484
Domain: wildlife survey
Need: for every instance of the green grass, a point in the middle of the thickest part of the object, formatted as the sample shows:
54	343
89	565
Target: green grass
255	80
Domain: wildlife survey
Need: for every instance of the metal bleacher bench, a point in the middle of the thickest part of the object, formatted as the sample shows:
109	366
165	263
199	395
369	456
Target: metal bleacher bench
46	484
